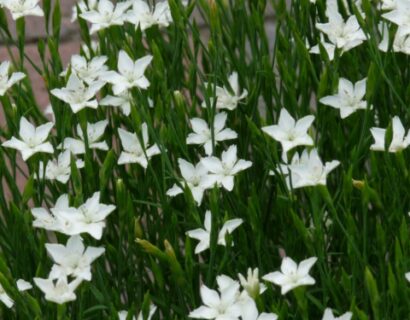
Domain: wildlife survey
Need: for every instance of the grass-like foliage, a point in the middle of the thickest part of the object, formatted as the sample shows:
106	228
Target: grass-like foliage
186	144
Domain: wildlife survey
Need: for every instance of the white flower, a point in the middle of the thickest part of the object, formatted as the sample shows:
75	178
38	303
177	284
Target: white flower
349	98
292	275
130	73
195	178
220	306
106	15
251	284
309	170
94	133
399	140
225	99
73	259
23	285
344	35
134	152
7	82
21	8
289	132
46	220
5	298
223	170
59	169
203	135
87	71
407	276
77	95
58	291
88	218
204	235
122	100
328	315
141	15
33	139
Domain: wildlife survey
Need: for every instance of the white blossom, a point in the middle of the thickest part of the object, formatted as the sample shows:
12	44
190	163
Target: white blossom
73	259
77	94
58	291
202	134
33	139
399	140
130	73
106	14
223	170
95	131
141	15
87	71
195	178
58	169
349	98
309	170
134	151
292	275
291	133
21	8
204	235
225	98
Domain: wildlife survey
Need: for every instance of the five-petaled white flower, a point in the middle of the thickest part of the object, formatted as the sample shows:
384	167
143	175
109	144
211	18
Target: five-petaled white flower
33	139
94	133
59	291
21	8
204	235
195	178
134	151
203	134
309	170
88	218
344	35
223	170
291	133
399	140
219	306
292	275
87	71
328	315
77	94
106	15
7	82
73	259
228	98
143	16
349	97
58	169
130	73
